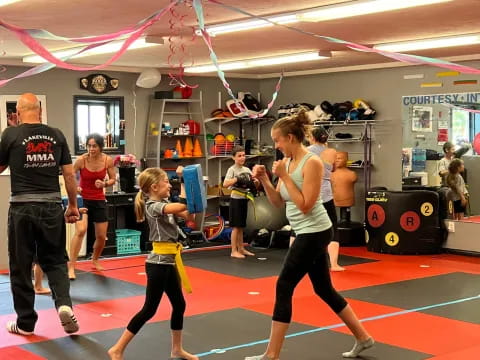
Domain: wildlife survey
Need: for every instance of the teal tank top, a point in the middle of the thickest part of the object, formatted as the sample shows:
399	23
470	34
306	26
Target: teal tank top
314	221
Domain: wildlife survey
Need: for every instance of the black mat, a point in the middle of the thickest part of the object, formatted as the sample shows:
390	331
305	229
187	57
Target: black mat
325	345
416	293
218	330
468	311
252	267
87	288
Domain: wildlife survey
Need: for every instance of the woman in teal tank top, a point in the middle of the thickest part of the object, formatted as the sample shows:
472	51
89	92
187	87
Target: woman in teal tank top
298	189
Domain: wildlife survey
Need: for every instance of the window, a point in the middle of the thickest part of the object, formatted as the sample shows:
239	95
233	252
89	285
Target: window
460	127
102	115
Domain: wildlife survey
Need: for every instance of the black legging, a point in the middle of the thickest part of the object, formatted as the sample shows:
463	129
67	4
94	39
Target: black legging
332	214
160	278
308	255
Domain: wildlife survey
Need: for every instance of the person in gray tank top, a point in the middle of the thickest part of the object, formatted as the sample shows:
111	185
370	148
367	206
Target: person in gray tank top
320	147
299	190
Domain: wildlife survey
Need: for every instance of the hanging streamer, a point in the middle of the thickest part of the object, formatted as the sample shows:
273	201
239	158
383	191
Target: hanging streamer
197	5
26	37
412	59
46	35
176	22
45	67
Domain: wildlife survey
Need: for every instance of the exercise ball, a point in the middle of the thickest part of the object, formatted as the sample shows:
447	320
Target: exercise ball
149	78
267	216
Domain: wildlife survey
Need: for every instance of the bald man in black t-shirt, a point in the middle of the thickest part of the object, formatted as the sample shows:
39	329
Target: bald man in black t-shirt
36	219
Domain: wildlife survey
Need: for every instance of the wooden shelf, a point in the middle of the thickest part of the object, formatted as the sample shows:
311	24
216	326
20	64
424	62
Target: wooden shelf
182	158
181	113
350	123
211	157
349	140
172	136
179	100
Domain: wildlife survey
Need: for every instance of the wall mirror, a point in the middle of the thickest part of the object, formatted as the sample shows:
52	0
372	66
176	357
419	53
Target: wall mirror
8	110
428	122
102	115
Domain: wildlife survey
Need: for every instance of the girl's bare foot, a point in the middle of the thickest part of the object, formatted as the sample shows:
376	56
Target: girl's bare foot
237	255
246	252
337	268
97	265
42	291
71	273
182	354
115	354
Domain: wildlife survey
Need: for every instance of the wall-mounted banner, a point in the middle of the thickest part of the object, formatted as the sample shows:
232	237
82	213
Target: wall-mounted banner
431	84
465	82
447	73
470	97
99	83
413	76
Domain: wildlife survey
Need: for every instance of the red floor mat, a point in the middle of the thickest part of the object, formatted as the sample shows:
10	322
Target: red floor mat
425	333
16	353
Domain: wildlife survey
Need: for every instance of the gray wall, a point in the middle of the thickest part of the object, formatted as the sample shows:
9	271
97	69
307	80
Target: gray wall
383	89
60	85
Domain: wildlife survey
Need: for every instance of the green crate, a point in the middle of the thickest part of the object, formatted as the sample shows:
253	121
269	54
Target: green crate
128	241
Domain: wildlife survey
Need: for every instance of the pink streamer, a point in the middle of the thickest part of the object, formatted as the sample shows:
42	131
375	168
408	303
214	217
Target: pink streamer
412	59
39	49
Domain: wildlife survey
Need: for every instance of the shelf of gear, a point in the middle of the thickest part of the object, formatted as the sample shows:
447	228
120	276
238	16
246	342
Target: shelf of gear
363	134
220	121
175	111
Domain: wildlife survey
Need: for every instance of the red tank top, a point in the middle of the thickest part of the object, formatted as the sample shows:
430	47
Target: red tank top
87	182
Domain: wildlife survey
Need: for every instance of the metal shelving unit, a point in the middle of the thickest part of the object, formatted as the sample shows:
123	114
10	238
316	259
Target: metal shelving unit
220	121
363	134
175	112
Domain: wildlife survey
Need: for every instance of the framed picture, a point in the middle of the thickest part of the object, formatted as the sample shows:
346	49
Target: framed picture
422	119
8	110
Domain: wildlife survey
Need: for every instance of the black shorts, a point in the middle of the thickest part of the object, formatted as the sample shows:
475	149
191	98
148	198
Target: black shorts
457	207
238	213
97	210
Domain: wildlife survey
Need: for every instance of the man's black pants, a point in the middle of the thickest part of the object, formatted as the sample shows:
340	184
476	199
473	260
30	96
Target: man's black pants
36	229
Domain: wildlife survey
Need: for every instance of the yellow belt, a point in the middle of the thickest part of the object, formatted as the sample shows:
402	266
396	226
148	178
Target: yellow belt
167	248
248	196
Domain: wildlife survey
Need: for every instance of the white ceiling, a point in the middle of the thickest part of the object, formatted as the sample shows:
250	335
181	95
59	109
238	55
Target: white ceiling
76	18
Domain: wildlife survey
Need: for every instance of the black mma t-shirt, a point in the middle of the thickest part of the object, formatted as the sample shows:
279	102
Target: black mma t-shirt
34	153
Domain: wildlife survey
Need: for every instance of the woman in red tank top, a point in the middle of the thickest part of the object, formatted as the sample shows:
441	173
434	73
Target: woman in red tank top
96	173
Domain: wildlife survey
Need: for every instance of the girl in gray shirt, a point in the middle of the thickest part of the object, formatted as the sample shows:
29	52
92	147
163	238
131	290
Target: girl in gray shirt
164	266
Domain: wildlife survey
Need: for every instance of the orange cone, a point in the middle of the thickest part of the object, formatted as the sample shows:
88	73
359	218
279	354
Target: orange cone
179	148
197	149
188	150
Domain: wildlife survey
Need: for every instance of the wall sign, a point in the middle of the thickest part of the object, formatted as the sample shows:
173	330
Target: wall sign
99	83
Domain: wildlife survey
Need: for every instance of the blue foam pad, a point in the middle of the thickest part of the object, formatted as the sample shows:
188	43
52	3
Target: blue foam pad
79	201
194	188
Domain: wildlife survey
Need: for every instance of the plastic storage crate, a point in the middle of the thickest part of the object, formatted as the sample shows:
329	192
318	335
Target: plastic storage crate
128	241
221	148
